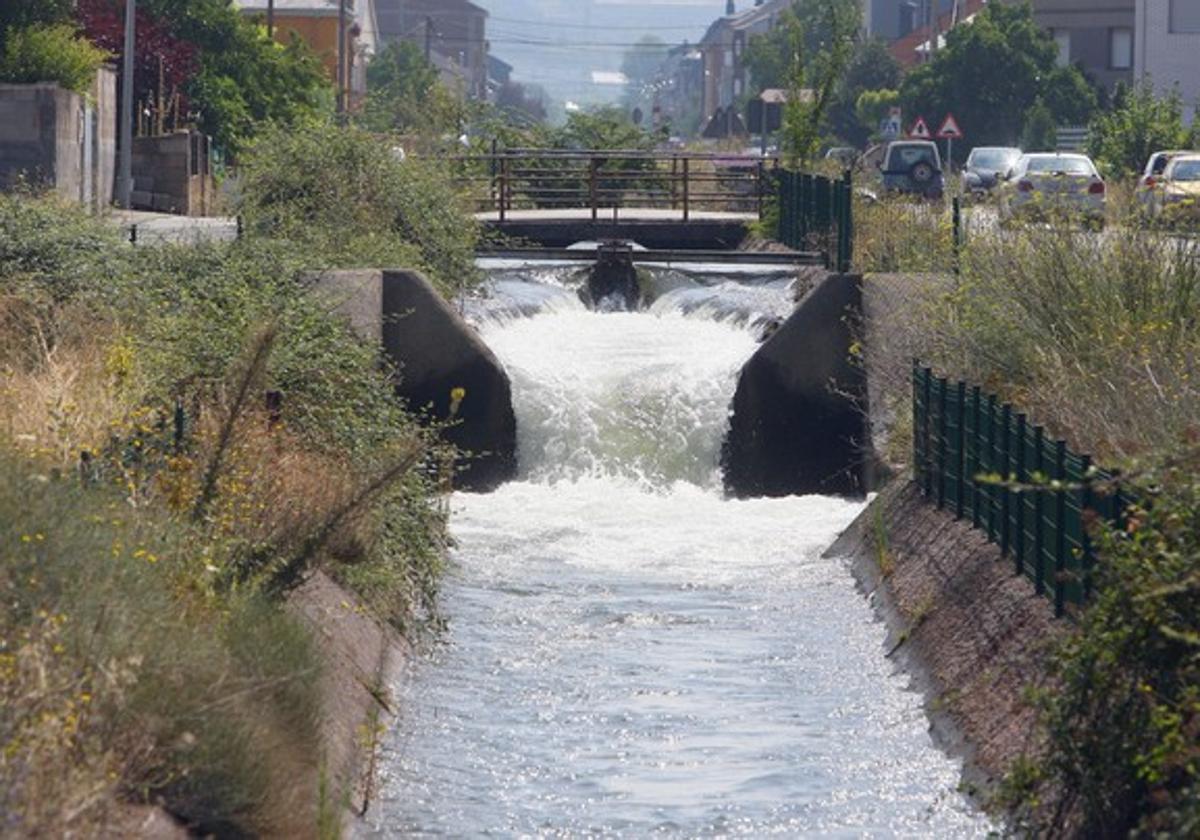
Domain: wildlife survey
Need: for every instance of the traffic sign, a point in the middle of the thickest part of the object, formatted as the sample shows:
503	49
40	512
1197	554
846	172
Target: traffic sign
950	129
920	130
890	126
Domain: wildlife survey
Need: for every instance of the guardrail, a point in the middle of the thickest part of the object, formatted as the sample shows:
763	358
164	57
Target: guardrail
604	181
1031	495
816	213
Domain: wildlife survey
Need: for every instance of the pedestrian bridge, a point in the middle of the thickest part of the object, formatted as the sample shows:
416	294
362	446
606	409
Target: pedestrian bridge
662	200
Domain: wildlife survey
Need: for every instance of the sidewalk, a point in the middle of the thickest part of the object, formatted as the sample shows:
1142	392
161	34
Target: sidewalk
158	228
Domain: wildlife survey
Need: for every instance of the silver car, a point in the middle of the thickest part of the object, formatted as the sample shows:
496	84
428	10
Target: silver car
1054	185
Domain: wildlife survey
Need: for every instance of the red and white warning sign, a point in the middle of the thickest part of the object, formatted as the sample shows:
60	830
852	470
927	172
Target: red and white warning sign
950	129
920	129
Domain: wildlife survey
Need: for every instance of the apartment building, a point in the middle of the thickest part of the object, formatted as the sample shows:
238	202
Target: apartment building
1167	48
725	77
453	32
1096	35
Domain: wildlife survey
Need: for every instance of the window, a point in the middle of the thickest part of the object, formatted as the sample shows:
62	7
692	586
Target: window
1185	15
1062	39
1120	48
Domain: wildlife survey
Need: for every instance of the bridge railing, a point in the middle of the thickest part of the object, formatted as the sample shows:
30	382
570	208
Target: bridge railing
605	181
1032	495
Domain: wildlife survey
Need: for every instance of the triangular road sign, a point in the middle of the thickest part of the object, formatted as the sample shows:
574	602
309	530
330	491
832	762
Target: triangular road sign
920	129
950	129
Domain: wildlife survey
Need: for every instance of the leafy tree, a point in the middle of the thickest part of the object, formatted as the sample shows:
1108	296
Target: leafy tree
872	106
1139	124
812	82
640	65
50	53
20	14
605	128
769	56
872	67
242	80
405	94
990	74
522	102
1041	131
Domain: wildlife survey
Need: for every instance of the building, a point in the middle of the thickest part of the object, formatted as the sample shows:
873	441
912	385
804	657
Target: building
893	19
1095	35
1167	48
316	23
453	34
918	44
725	77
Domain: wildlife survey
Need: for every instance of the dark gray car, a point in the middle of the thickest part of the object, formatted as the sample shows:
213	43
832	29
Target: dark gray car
986	166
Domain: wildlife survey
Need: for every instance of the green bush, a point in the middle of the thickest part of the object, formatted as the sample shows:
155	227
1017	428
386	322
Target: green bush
1140	123
50	53
1124	724
343	195
119	679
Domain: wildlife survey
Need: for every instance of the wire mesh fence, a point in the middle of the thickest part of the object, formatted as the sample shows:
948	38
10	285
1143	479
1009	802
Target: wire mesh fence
1034	497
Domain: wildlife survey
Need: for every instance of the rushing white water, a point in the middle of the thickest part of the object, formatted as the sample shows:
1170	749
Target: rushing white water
630	653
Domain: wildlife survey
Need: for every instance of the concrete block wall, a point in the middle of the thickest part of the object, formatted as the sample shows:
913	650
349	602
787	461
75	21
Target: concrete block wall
54	137
171	174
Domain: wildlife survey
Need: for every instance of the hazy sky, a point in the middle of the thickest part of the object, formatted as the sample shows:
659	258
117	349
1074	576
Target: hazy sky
558	43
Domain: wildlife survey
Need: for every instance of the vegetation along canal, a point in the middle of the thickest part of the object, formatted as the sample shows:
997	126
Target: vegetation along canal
628	651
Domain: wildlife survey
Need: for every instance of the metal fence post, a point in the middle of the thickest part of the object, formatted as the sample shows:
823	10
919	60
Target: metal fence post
928	430
593	198
504	187
943	385
1006	475
1039	518
990	495
973	464
1085	504
918	457
961	454
956	225
686	187
1018	498
1060	530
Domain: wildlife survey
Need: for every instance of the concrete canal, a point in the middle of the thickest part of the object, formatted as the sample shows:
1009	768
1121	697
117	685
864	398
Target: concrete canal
629	652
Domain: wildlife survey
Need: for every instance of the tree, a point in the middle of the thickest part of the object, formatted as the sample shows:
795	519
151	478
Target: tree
991	72
769	56
242	79
872	106
50	53
872	67
812	81
405	94
1139	124
1040	134
21	14
522	102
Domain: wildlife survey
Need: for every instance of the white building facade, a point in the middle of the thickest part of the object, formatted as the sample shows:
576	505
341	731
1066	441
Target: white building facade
1167	52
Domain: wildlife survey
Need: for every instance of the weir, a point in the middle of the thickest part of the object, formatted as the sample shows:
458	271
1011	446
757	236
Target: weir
629	650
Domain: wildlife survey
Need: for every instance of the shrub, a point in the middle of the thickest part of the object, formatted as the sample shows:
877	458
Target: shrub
343	194
1124	725
1141	122
51	53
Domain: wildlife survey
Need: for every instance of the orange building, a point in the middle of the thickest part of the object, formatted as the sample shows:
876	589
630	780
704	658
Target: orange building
316	23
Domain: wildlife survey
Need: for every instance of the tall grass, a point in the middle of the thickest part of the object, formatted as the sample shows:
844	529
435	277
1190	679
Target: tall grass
156	505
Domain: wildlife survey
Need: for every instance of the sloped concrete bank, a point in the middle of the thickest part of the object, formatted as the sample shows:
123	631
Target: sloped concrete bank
970	632
363	657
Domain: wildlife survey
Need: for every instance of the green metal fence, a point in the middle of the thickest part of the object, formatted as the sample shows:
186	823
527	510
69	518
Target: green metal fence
986	462
816	212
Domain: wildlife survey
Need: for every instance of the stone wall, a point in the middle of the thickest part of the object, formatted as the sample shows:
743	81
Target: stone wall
54	137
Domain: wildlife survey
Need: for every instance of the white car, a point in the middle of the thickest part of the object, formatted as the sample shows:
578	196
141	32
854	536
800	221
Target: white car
1054	185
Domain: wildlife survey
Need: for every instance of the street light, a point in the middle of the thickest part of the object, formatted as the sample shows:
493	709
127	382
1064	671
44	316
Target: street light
125	169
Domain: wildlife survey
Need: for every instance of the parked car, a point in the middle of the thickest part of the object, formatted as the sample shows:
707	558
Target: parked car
1148	183
1054	186
913	167
986	167
1176	192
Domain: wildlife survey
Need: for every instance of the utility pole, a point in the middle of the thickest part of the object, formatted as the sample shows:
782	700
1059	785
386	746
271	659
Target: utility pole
125	168
429	39
270	18
341	59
